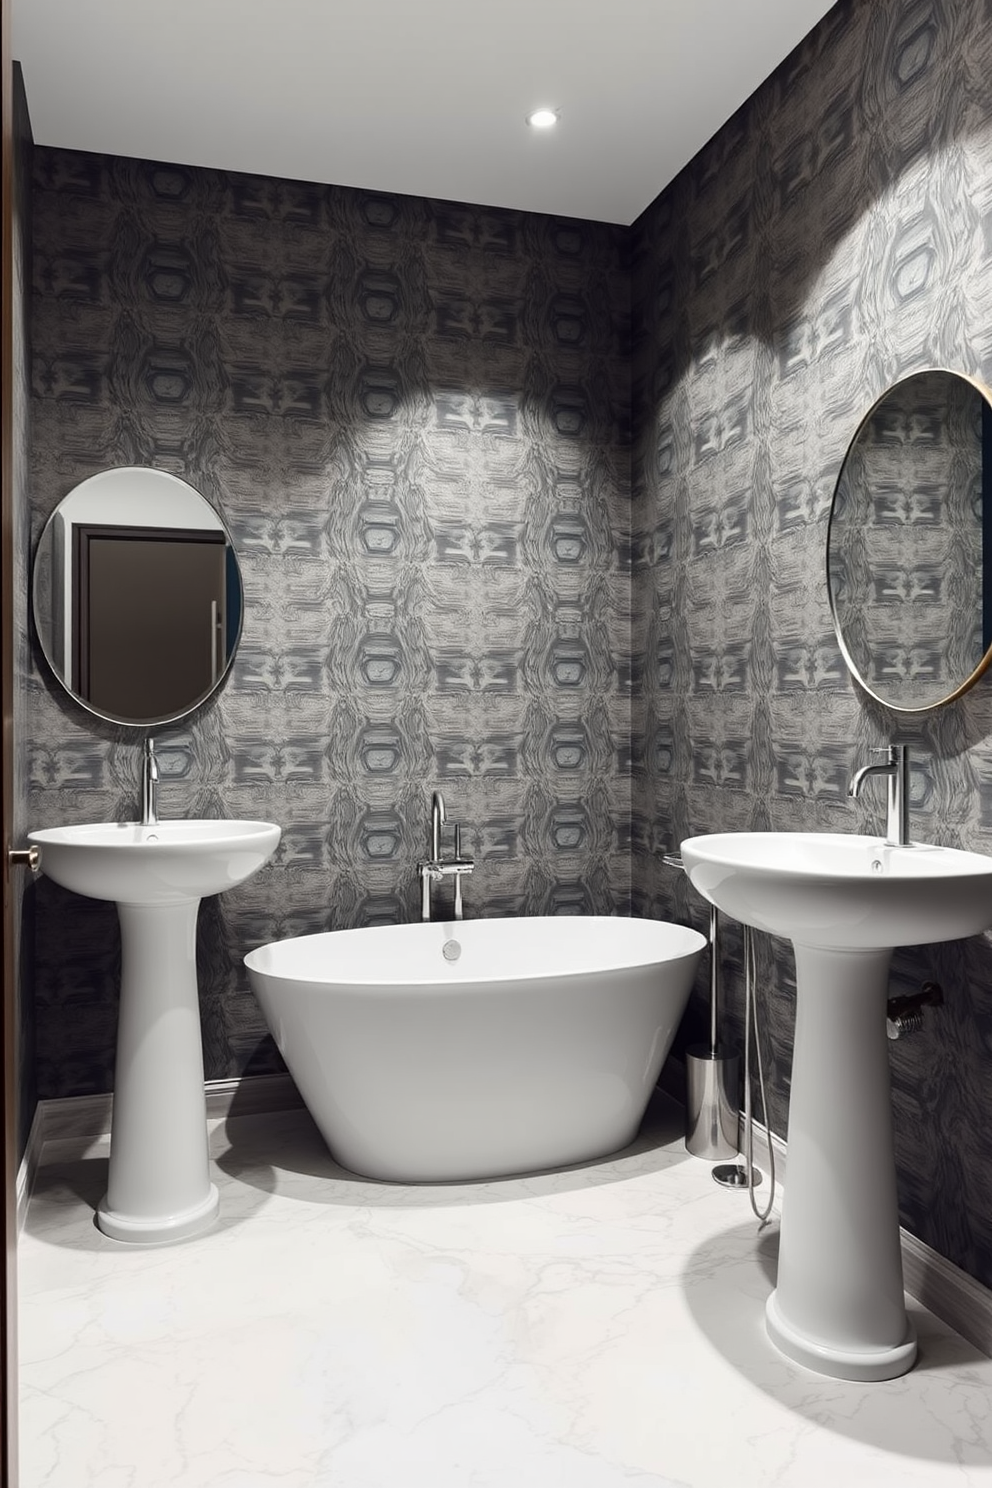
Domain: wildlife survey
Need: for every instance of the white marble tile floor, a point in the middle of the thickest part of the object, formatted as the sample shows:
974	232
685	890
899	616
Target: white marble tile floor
592	1327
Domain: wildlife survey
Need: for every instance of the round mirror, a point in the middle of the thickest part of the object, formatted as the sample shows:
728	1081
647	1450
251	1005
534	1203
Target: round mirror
137	596
910	540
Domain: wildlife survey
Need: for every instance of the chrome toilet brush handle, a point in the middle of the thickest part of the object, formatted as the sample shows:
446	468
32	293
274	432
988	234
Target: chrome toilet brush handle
713	1078
714	976
712	1074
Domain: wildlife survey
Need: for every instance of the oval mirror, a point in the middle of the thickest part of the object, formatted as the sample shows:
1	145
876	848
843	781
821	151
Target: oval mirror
137	596
910	542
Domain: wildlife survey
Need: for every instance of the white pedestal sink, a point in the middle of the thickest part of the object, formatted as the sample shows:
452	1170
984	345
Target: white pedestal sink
159	1184
845	903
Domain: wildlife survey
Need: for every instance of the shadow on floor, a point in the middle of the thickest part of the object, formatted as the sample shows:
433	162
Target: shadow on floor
269	1152
282	1153
727	1280
64	1202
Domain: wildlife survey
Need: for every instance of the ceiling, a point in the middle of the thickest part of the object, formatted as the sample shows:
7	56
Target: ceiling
421	96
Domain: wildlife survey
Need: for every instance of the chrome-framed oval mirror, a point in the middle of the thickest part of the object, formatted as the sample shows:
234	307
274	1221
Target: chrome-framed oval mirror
909	543
137	596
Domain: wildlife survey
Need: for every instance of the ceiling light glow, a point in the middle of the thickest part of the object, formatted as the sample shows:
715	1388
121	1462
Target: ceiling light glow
543	118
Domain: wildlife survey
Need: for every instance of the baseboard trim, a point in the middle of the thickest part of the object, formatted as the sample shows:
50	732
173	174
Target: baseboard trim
947	1291
75	1116
83	1118
760	1153
27	1170
251	1095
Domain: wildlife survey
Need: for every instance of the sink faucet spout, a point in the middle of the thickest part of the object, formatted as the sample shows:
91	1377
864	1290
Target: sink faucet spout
437	822
437	868
896	772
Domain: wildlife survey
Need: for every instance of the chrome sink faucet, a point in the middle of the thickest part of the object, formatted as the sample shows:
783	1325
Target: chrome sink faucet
149	785
437	868
896	771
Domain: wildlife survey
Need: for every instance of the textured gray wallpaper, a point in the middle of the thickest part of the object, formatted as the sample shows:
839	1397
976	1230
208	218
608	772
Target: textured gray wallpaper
414	417
834	237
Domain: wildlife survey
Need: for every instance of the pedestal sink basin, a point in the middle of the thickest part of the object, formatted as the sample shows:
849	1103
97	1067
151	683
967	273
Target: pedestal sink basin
168	863
159	1184
845	903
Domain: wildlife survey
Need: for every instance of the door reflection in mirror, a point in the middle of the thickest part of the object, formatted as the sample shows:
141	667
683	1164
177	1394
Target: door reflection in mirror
137	596
148	617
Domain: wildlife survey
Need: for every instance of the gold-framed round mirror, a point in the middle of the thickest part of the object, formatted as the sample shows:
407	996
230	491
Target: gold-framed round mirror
137	596
909	543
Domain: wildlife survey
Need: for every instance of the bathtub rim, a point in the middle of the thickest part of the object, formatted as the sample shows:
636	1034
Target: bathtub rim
439	973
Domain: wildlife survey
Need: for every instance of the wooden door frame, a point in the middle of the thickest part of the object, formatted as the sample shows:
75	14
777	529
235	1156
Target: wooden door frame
8	1021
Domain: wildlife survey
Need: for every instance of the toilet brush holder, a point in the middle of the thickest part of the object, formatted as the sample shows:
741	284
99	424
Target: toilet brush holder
712	1105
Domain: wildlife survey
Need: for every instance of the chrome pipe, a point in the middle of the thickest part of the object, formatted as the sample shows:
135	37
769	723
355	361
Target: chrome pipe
149	785
437	822
714	975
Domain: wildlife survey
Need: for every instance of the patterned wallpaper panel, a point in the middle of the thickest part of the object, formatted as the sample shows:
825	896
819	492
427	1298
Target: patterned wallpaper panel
419	421
833	238
413	416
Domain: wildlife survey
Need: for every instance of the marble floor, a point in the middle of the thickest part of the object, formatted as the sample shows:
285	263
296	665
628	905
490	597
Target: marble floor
592	1327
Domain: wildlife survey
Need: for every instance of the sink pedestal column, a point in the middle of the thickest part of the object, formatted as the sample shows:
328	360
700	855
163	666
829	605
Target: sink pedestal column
838	1307
159	1185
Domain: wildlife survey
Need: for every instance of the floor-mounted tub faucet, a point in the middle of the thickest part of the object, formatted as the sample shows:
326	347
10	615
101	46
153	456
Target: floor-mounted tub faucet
149	785
437	868
437	822
896	771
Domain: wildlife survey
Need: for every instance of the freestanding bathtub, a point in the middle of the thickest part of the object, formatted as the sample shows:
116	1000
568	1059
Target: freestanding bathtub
444	1051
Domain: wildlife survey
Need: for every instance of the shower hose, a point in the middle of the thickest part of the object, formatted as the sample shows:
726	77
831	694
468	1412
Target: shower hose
752	1027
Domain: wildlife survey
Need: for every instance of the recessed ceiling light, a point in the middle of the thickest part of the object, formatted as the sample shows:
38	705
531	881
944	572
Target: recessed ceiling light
543	118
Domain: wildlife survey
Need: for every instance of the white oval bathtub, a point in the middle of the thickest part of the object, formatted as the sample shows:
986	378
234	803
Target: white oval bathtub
538	1044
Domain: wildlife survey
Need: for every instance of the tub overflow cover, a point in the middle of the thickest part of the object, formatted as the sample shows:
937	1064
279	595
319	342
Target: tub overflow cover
451	950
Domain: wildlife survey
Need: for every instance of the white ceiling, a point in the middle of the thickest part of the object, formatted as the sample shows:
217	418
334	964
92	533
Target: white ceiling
419	96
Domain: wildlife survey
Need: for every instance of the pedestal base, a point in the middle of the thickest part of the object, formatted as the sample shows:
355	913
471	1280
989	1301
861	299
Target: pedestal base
158	1185
159	1231
839	1363
839	1306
